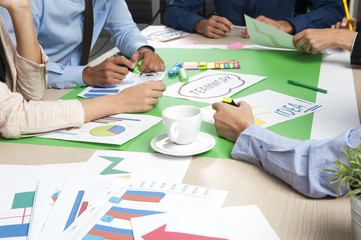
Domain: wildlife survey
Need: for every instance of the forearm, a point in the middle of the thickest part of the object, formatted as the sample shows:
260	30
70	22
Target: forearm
20	117
322	14
27	43
300	164
99	107
344	38
183	19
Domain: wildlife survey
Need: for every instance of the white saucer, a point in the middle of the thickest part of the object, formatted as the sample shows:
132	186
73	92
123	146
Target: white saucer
163	144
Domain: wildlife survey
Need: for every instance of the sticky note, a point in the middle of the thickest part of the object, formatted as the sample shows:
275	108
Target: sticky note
211	65
236	45
202	65
190	65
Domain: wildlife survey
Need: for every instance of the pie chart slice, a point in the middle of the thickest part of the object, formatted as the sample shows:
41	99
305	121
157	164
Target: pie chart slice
106	131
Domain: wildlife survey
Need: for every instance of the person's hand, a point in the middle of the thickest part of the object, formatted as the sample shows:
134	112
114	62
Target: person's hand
141	97
110	72
315	40
151	61
215	27
344	24
230	121
280	24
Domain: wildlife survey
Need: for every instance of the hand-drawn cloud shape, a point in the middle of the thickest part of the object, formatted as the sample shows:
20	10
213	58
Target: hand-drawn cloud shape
211	86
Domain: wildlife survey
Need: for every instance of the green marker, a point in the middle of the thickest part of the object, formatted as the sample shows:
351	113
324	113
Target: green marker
135	70
183	75
307	86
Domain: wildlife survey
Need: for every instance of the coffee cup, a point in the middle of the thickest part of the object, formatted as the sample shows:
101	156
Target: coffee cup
182	123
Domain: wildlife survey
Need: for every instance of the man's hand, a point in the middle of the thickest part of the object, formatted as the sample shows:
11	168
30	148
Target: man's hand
281	24
110	72
230	121
215	27
344	24
151	61
315	40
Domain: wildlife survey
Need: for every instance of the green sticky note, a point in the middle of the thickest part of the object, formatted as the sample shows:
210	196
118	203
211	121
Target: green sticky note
23	200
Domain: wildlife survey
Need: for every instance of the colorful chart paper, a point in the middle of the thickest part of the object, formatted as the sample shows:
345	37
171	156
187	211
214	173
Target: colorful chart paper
132	79
109	217
116	129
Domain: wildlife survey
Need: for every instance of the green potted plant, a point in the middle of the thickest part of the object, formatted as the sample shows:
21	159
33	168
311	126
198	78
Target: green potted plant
349	175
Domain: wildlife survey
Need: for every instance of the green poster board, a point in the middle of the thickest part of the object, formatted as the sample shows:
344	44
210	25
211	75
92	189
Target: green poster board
277	66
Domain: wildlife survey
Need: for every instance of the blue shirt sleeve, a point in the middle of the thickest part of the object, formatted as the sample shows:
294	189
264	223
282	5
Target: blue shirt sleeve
124	32
183	14
301	164
322	14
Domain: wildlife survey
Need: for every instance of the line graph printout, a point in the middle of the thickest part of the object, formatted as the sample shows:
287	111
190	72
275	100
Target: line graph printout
140	198
270	108
116	129
131	79
211	85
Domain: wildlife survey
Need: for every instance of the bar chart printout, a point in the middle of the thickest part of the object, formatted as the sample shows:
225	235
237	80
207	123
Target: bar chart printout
17	224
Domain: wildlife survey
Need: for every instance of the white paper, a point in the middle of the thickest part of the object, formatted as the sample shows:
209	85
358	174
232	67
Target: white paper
233	223
267	35
342	114
116	129
131	79
163	33
270	108
139	165
211	85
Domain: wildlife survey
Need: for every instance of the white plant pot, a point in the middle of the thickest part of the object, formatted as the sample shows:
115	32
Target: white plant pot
356	217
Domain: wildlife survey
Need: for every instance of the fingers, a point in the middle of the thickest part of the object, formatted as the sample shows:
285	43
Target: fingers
151	62
221	24
215	27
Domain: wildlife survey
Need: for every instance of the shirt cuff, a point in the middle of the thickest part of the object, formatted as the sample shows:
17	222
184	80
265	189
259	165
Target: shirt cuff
249	150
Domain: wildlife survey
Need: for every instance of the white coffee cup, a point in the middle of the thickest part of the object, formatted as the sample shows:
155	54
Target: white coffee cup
182	123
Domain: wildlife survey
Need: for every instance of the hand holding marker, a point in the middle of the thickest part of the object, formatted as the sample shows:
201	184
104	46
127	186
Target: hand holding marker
136	68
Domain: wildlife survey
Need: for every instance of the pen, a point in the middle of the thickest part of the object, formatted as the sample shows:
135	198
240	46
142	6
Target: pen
347	14
174	69
229	101
307	86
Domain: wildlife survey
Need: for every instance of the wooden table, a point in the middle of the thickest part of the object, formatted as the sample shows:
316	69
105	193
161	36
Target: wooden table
290	214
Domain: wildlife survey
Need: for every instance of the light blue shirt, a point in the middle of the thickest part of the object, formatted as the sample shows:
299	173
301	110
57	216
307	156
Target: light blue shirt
301	164
59	26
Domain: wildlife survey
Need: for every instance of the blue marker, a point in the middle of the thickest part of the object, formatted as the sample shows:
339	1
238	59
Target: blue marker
174	69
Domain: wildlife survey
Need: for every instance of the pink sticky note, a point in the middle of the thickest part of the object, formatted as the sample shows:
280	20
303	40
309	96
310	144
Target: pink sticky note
236	45
189	43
